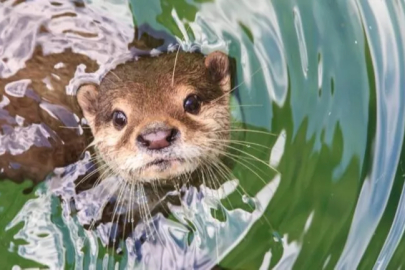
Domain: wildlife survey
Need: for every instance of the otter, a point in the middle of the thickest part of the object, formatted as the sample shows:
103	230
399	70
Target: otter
153	121
157	122
159	118
194	119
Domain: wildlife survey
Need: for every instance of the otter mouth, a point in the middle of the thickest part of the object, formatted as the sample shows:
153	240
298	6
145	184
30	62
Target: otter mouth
164	169
163	163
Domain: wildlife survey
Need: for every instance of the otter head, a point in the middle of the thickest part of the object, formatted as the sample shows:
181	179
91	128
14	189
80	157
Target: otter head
159	118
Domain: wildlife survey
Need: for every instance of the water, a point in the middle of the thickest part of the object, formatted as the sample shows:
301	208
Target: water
323	76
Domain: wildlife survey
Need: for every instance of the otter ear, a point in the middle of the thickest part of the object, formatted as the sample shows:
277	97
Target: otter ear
218	67
87	99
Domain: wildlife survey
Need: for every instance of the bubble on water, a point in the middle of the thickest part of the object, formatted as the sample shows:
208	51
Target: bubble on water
245	198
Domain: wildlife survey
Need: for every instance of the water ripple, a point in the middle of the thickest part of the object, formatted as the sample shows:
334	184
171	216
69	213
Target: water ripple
301	41
390	130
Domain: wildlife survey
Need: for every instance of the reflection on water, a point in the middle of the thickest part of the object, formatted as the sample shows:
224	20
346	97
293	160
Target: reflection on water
324	77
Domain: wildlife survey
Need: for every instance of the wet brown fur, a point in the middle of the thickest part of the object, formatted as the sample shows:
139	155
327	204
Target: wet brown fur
66	144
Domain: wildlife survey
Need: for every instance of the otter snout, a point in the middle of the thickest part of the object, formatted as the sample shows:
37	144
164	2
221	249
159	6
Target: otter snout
157	138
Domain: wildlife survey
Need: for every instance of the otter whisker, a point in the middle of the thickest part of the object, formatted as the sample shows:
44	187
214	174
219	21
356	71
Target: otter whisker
132	201
258	149
245	159
242	83
215	184
244	191
147	217
84	150
120	193
225	176
139	199
175	62
243	143
218	198
240	106
211	175
241	130
100	210
115	85
119	207
177	187
91	174
127	211
84	127
115	75
226	168
154	188
94	220
223	153
218	164
234	158
101	177
255	158
221	166
102	206
177	54
220	207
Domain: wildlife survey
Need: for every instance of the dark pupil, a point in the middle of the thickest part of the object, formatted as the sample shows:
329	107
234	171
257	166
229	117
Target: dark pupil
119	119
192	104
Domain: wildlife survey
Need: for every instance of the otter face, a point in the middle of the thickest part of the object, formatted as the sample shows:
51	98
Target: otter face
160	118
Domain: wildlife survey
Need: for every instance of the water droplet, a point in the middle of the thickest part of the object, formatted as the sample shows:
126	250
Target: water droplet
355	42
245	198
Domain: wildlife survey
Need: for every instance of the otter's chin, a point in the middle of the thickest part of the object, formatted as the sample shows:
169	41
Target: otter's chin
165	169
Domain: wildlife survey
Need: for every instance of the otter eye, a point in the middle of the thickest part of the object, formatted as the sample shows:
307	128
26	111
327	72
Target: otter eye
119	119
192	104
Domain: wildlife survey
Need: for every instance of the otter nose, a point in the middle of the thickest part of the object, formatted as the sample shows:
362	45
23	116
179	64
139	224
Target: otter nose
158	139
